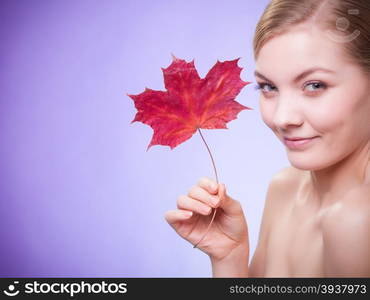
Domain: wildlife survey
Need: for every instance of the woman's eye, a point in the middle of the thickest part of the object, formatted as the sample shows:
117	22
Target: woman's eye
265	87
314	86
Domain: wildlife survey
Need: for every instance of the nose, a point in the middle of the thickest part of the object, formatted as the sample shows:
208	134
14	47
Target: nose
287	113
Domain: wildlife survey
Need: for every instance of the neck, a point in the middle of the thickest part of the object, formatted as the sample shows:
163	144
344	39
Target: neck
343	176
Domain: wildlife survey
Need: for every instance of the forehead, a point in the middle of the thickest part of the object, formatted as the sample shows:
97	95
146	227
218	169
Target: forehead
300	49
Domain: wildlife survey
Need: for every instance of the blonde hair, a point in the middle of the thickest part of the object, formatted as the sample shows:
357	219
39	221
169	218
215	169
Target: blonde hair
345	21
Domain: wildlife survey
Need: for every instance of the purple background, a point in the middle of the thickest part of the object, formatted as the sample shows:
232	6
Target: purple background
80	196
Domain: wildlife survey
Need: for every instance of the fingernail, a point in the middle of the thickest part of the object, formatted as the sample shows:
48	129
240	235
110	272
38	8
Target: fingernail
214	200
207	209
189	213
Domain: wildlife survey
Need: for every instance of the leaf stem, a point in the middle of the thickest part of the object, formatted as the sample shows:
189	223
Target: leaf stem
214	167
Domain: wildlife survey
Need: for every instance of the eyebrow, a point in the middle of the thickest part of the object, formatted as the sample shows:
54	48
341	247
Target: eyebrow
300	76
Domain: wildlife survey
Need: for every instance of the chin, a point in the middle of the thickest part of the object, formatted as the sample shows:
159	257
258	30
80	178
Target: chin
307	162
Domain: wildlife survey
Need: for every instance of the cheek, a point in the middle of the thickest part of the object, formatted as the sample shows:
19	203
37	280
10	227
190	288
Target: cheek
325	118
342	115
267	112
343	128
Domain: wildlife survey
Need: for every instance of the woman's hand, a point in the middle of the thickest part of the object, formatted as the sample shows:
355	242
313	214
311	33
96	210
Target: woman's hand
228	233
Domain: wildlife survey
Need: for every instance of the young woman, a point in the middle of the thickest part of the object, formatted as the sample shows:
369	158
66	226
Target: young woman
313	70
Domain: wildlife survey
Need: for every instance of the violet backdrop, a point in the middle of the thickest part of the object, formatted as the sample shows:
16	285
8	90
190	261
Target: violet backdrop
79	194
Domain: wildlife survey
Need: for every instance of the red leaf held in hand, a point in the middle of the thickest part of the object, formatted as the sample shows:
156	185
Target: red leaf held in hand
190	102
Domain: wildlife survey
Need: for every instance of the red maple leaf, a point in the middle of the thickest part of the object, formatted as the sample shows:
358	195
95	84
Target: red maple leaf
190	102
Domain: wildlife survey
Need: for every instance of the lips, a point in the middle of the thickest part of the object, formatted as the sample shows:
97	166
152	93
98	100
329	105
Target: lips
298	143
298	138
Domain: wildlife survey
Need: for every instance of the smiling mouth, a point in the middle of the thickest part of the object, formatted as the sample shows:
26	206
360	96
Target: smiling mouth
298	143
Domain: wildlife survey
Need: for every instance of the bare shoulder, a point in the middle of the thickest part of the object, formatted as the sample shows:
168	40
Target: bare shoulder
280	185
281	190
348	225
285	182
287	176
353	207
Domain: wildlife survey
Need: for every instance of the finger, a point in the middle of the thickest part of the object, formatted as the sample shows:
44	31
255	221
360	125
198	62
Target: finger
198	193
176	215
187	203
209	185
228	205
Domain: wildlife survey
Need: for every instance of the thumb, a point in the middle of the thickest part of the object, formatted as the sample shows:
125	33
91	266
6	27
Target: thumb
228	204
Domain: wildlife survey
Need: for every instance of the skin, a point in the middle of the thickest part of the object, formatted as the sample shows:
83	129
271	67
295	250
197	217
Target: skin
316	220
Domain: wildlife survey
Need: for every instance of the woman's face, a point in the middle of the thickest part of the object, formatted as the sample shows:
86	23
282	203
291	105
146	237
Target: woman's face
332	107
